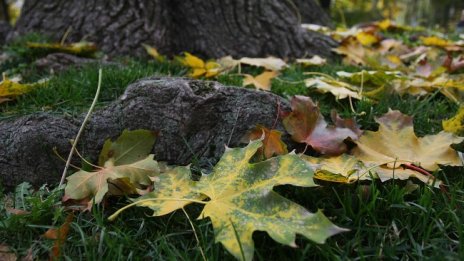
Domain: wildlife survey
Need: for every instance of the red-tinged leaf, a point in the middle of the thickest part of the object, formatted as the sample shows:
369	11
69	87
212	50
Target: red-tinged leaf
59	235
307	125
345	123
272	141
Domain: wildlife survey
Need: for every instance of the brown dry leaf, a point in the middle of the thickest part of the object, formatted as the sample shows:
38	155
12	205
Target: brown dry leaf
355	53
59	236
396	145
272	142
262	81
6	254
269	63
307	125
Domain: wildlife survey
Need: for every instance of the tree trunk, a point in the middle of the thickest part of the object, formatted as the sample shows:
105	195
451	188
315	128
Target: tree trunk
195	120
209	28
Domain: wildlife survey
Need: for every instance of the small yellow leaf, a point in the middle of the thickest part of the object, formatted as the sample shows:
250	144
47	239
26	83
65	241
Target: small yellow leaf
80	48
193	61
435	41
384	24
153	52
199	67
262	81
367	39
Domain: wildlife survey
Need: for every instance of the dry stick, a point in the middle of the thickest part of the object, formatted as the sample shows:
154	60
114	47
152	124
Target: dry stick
86	119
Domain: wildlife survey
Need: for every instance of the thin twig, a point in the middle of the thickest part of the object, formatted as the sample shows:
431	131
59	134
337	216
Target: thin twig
235	124
86	119
195	234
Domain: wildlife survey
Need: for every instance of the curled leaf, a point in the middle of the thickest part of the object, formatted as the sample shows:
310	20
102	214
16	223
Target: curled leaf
307	125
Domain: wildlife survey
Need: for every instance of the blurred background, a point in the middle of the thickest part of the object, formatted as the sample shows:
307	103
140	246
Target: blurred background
438	14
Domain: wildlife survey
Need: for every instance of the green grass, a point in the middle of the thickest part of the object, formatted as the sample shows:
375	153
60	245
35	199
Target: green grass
392	220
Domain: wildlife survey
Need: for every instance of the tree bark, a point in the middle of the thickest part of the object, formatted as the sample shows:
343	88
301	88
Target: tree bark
209	28
195	120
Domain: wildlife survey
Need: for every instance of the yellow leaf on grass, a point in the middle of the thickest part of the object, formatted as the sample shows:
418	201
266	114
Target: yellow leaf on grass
242	200
199	67
80	48
10	88
153	52
339	89
455	124
435	41
396	145
367	39
262	81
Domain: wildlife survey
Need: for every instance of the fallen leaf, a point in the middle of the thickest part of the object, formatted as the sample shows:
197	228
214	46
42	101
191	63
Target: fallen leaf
153	52
6	254
83	184
228	63
11	88
173	184
341	169
307	125
269	63
341	90
129	147
367	39
272	141
455	124
435	41
59	237
355	53
262	81
199	67
395	144
242	200
80	48
125	166
315	60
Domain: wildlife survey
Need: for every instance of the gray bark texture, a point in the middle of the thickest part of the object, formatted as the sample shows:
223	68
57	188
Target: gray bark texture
5	30
58	62
209	28
195	120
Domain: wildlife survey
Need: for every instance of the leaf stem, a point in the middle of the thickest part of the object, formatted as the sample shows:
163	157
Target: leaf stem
79	133
115	214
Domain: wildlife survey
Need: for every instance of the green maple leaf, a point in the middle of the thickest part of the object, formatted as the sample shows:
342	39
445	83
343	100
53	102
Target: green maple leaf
125	163
242	200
